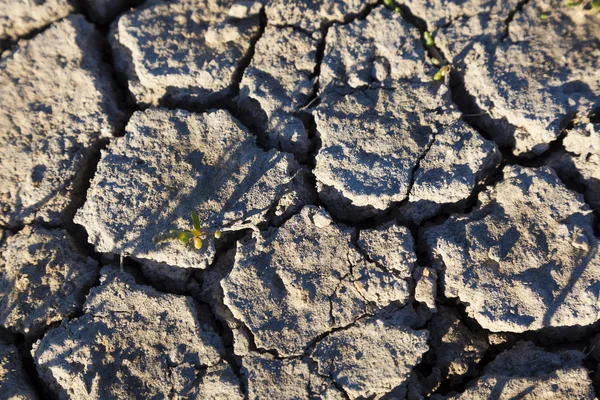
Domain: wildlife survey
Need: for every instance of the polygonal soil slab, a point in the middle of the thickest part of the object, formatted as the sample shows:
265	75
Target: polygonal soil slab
133	341
313	15
533	82
186	50
19	18
270	378
378	50
307	278
45	278
375	137
372	357
458	160
57	101
580	160
171	163
276	84
371	142
377	144
14	384
527	371
525	258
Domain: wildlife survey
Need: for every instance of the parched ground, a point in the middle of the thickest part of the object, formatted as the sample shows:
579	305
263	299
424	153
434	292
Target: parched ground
397	200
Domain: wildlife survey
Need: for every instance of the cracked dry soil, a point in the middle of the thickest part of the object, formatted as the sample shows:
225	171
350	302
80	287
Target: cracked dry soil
385	235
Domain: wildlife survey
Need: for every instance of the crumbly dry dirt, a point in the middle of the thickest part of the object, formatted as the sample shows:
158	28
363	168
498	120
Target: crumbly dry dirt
383	234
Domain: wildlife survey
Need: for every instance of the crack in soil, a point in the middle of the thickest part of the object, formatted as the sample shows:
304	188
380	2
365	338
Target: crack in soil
511	15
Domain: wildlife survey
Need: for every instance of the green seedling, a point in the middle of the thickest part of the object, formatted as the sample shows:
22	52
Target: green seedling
544	17
442	72
391	4
428	39
195	237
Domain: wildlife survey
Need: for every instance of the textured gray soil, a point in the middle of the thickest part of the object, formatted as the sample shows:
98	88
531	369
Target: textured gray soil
368	231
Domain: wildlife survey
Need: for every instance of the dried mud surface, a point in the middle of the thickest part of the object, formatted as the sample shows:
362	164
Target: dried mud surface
370	231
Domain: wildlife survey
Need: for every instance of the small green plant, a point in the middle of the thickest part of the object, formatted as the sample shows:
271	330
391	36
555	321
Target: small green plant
193	237
428	39
442	72
391	4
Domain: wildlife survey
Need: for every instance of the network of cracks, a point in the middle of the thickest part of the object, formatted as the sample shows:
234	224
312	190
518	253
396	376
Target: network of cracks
385	233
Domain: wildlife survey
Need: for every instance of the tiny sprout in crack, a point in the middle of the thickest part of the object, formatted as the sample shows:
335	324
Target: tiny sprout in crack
391	4
442	72
428	39
194	237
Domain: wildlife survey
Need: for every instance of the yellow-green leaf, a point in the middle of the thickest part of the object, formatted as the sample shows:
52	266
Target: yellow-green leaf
428	39
196	220
184	237
442	72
